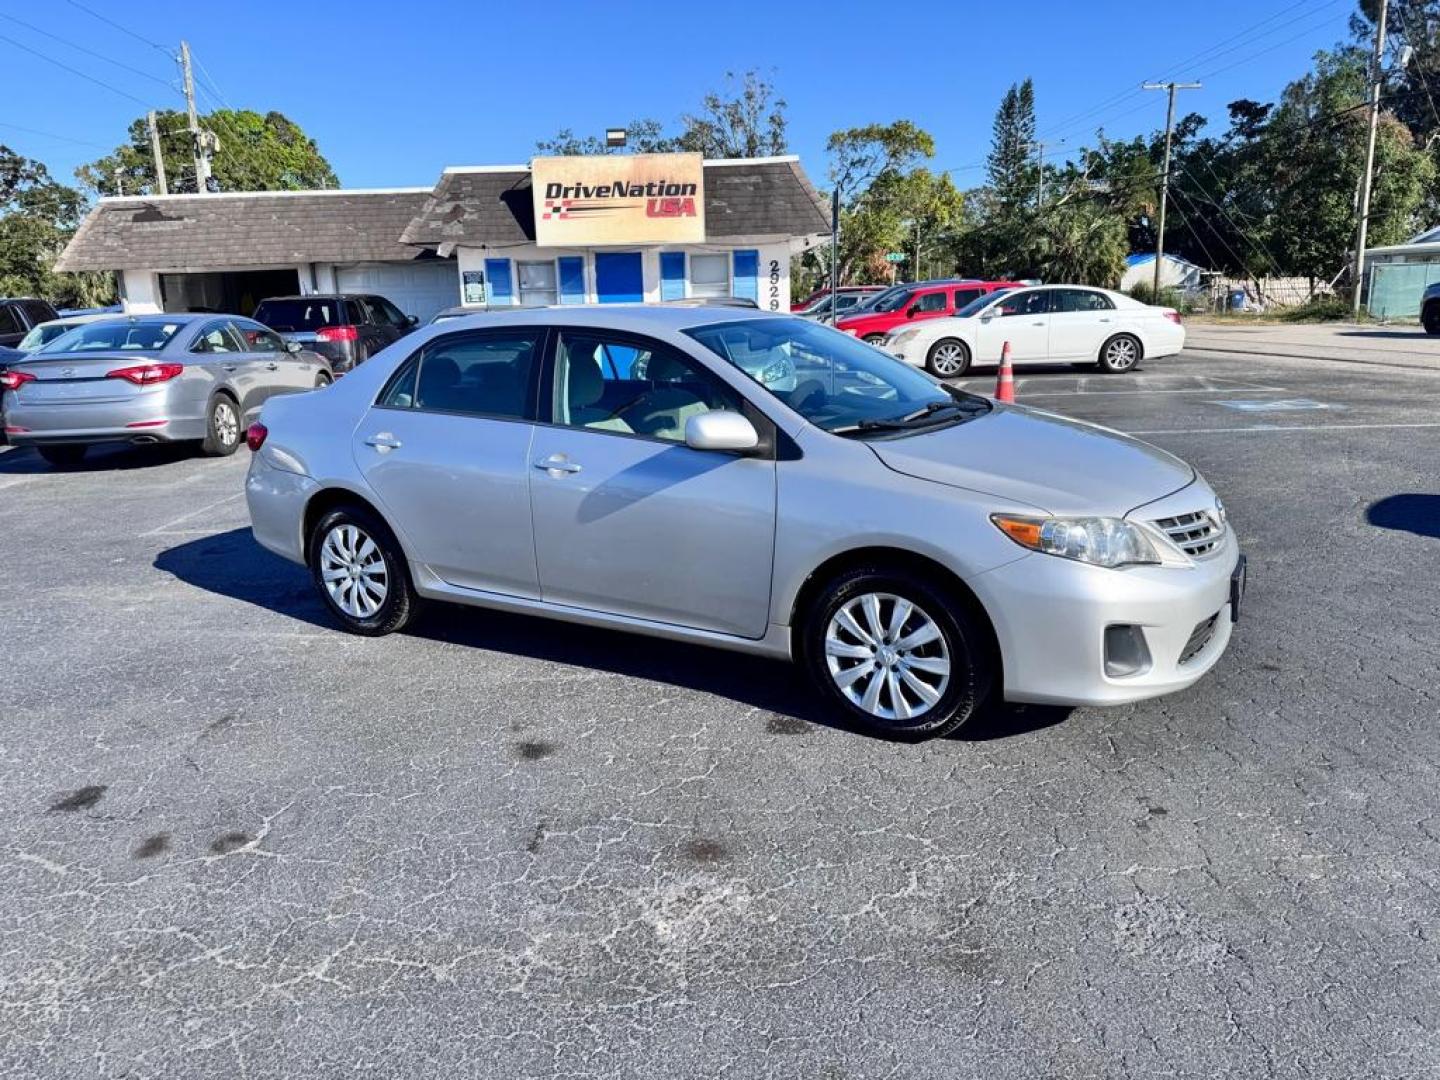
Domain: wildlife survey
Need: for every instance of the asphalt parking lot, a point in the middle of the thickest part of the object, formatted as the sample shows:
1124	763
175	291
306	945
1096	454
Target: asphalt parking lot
240	843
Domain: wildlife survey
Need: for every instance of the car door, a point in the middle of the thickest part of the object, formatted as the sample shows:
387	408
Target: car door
1023	319
221	350
372	336
446	450
279	370
628	519
398	321
1080	321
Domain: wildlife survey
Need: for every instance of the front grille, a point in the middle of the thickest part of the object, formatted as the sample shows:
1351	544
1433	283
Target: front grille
1194	534
1199	638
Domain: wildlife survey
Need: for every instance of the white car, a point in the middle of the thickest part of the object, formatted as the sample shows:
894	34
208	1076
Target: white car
1043	324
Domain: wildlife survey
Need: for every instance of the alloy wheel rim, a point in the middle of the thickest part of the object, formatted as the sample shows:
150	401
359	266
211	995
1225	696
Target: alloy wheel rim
887	656
947	359
227	424
1122	354
353	570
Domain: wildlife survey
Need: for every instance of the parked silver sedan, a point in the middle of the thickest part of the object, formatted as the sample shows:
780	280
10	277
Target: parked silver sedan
151	378
914	547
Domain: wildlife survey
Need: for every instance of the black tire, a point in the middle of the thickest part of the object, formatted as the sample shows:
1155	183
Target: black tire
972	668
224	430
937	360
400	602
873	339
1430	318
64	454
1120	354
322	380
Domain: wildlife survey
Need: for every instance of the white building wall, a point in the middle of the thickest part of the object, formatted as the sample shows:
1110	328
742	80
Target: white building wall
140	292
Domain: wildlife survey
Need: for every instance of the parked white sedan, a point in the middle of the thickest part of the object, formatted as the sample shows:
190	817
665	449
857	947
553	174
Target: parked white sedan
1043	324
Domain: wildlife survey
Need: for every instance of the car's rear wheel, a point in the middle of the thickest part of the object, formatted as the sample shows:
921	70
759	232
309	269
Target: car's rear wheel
1120	354
896	656
222	427
65	454
948	358
1430	318
359	568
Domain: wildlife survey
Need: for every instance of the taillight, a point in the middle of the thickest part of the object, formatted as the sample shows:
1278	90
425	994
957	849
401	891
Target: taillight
146	374
255	435
1173	316
337	333
13	380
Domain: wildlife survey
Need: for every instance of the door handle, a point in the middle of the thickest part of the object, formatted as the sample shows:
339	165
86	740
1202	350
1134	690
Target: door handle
1104	320
230	367
555	463
272	366
383	442
1040	323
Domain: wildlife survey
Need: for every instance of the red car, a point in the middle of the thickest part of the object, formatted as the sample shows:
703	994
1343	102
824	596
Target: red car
921	300
843	290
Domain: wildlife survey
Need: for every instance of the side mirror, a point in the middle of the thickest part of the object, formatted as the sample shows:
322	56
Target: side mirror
720	430
412	320
294	346
912	311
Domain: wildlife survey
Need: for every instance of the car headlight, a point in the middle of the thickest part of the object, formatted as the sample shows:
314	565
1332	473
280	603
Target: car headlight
1100	541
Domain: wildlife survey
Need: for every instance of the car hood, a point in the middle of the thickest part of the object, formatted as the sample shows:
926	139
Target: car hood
1051	462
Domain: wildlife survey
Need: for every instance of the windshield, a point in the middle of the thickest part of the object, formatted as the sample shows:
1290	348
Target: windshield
833	380
307	313
42	335
979	302
890	300
126	336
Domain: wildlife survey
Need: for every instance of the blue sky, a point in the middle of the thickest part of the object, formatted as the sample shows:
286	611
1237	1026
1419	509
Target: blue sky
395	92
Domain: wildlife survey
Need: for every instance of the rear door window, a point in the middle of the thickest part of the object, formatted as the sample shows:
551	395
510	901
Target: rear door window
10	321
360	313
388	311
964	296
1081	300
479	373
217	338
931	301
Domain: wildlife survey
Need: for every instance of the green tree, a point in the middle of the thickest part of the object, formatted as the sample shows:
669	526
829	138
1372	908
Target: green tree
1010	167
745	120
37	217
257	152
643	136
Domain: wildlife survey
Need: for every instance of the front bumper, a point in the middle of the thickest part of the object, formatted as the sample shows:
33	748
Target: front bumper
1051	615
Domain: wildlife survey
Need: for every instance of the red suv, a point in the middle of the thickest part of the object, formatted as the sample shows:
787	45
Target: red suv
920	300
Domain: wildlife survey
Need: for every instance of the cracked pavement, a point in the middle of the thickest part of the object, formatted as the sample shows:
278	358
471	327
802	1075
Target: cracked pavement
237	842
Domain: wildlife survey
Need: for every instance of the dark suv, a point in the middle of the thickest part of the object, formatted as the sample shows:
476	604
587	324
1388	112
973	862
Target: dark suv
19	315
344	328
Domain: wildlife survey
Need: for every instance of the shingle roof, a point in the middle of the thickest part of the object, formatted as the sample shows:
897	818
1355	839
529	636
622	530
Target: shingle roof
494	207
185	232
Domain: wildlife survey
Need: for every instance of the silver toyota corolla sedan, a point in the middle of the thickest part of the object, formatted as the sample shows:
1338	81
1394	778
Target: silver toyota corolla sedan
915	548
151	378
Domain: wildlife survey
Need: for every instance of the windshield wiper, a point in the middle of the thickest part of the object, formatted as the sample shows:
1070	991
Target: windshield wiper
918	418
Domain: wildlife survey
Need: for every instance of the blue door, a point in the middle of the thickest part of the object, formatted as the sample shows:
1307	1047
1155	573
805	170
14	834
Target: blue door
619	278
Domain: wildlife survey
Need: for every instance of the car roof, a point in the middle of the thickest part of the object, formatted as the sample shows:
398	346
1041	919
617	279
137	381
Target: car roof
319	296
639	318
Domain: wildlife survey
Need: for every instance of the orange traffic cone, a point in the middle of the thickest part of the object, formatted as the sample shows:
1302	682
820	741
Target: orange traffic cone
1005	384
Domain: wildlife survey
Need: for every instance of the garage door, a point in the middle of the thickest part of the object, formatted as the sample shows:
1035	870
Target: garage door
419	288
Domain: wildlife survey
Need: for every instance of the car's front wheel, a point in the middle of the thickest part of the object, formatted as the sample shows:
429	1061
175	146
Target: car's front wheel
64	454
1430	318
359	568
873	339
948	358
895	655
1120	354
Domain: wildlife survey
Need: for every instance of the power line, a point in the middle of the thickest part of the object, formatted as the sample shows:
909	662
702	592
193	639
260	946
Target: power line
122	29
75	71
52	135
209	84
88	52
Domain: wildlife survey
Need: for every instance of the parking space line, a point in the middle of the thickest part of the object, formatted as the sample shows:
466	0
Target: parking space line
160	530
1142	393
1272	428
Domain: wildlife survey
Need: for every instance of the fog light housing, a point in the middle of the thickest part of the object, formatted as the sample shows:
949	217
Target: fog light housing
1126	653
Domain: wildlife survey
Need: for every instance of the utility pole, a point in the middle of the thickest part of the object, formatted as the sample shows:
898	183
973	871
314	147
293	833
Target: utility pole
204	143
1165	176
155	152
1039	148
917	250
1365	179
834	245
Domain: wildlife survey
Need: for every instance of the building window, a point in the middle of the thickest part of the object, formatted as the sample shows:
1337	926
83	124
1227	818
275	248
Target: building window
710	275
537	284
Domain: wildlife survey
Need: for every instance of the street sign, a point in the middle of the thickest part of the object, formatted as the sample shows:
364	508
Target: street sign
895	256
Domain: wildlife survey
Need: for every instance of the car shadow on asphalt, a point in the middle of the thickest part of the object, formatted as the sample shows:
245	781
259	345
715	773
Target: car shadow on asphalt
1412	333
232	564
1412	513
22	460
